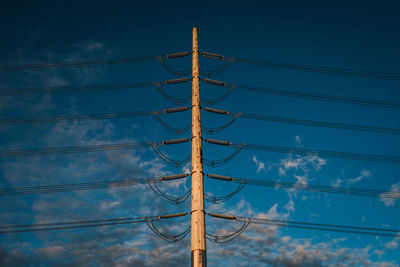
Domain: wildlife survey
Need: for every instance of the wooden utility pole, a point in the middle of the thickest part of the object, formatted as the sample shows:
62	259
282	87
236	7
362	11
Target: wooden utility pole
198	236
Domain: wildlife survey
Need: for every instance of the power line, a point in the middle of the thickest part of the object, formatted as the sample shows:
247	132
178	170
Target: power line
319	69
310	187
300	94
302	67
306	151
82	149
46	189
314	226
79	88
324	124
73	118
82	63
90	87
86	117
81	224
87	63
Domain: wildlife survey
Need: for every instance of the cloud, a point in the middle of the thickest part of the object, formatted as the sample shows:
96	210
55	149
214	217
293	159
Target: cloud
298	139
303	163
260	165
363	174
389	202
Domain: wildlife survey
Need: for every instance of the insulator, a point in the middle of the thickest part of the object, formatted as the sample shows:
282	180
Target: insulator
174	177
219	111
177	55
229	217
174	81
214	82
175	141
173	215
218	142
220	177
172	110
212	55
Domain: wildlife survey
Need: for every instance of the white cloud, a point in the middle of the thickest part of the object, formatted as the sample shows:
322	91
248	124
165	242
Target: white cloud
363	174
260	165
303	163
298	139
389	202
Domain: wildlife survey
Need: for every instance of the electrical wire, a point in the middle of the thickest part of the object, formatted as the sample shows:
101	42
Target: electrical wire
75	118
82	63
219	199
76	88
229	237
10	229
325	153
302	67
324	124
384	232
300	94
46	189
166	197
88	63
164	236
307	151
310	187
220	162
168	160
82	149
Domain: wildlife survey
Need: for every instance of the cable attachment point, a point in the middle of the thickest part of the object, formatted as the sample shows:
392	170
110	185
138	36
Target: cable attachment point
218	111
177	55
222	216
174	177
174	110
218	142
174	141
214	82
175	81
168	216
212	55
220	177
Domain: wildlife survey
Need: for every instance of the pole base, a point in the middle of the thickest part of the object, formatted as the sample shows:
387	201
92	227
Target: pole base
199	258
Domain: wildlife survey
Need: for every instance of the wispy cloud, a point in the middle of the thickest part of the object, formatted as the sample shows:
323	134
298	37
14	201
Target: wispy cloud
390	202
260	165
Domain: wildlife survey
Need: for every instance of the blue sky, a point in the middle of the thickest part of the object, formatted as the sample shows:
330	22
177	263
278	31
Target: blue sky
344	34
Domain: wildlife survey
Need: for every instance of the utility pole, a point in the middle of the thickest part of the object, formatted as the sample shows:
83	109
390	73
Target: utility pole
198	240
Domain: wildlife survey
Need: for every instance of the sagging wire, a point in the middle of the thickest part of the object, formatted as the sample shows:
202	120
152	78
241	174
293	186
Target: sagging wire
167	237
217	200
215	100
168	160
164	196
171	129
172	99
217	130
225	66
220	162
229	237
171	70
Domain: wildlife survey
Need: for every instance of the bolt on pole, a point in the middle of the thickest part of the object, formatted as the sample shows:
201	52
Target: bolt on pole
198	240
